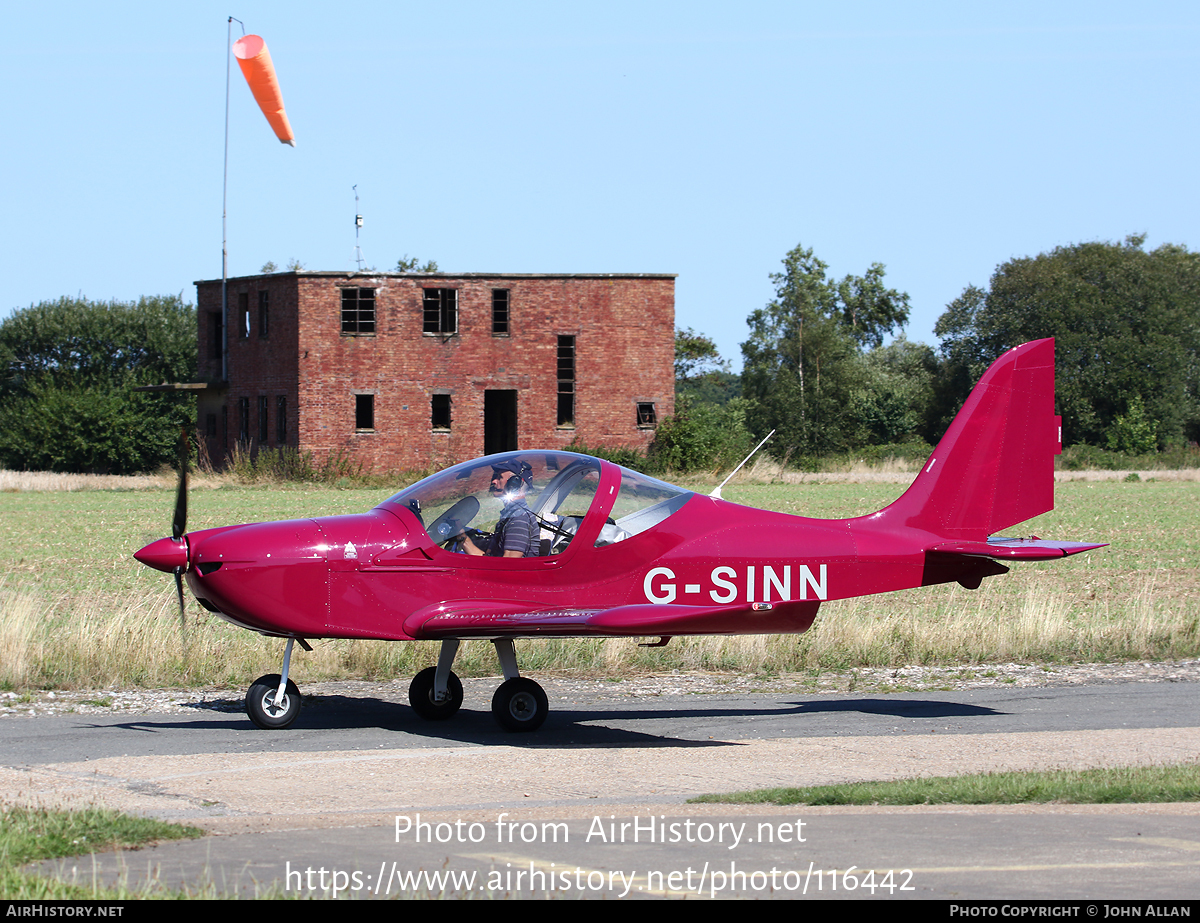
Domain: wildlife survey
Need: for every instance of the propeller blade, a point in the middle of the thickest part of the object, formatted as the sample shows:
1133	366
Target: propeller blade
179	522
182	608
178	530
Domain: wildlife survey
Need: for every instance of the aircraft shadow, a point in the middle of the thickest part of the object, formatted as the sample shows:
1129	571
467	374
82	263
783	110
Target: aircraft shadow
335	722
669	724
900	708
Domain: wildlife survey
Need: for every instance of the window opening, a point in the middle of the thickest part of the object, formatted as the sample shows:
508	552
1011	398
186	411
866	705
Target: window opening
441	311
441	412
263	431
281	420
566	381
646	418
244	314
358	312
262	315
499	312
243	420
364	412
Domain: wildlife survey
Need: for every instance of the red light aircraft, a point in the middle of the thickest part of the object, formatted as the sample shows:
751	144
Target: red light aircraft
619	554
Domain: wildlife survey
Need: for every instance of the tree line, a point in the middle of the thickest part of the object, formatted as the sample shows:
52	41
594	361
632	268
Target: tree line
818	365
816	368
68	373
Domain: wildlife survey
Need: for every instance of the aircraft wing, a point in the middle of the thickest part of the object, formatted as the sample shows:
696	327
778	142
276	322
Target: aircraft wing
509	618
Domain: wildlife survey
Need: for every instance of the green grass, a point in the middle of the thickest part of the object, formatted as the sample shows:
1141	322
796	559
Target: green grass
76	611
1140	784
31	835
71	541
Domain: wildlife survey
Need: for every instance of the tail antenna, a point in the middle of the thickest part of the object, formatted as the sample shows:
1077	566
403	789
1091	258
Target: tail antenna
717	490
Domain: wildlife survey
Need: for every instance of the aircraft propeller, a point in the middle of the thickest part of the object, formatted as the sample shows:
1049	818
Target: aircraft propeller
179	534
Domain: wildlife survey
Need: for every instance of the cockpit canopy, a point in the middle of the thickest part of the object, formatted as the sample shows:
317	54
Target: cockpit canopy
562	494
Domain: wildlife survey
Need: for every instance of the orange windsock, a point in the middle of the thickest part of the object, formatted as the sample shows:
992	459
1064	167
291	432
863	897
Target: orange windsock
255	62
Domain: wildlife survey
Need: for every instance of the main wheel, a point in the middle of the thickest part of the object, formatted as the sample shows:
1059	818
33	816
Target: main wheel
520	705
420	696
265	711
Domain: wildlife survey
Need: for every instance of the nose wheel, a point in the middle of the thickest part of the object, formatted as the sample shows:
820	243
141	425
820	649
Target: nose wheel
267	708
273	701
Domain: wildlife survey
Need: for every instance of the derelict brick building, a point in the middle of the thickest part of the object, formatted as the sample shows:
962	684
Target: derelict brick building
406	370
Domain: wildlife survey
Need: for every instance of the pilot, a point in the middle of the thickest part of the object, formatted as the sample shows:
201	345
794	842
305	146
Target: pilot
517	532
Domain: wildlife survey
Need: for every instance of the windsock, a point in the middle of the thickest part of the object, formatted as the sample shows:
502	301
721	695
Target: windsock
255	62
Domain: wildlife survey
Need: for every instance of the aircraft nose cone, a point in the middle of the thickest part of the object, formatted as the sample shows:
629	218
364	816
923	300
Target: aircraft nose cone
166	554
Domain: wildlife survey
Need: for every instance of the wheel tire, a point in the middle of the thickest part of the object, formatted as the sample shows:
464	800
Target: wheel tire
520	705
420	696
261	707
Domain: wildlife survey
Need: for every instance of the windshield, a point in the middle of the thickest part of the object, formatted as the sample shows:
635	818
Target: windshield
459	503
459	500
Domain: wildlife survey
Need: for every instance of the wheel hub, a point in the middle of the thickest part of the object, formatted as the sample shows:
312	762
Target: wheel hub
275	708
522	706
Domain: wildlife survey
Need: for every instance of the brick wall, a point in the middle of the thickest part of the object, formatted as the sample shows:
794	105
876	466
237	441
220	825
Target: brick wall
623	330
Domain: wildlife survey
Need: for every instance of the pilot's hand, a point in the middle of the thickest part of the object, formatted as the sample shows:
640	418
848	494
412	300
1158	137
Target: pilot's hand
474	542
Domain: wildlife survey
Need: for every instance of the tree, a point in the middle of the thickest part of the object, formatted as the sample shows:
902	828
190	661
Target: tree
802	357
1127	329
892	400
701	374
695	355
67	373
701	436
870	310
408	263
708	429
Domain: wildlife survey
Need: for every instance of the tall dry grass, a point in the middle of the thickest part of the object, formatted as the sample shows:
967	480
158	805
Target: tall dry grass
14	481
94	641
76	611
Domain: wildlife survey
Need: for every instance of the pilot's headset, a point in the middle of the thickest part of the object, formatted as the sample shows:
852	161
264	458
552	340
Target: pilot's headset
523	471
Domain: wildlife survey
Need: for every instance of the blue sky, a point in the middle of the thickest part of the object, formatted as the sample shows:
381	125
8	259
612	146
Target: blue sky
703	139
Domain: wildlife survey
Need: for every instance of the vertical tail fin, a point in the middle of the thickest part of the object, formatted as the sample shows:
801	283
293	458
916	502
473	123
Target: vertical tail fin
995	465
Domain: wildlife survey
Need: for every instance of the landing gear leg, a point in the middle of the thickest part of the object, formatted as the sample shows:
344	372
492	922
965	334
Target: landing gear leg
519	704
273	701
436	693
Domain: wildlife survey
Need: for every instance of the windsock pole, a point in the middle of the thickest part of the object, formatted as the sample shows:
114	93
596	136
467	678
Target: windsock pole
224	206
255	62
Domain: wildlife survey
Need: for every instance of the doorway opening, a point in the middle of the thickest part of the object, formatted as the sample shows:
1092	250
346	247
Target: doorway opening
499	422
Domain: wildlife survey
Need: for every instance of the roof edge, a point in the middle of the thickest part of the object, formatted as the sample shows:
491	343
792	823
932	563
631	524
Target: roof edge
445	275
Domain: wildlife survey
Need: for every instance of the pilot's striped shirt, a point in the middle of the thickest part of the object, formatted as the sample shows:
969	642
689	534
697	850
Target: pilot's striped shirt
517	530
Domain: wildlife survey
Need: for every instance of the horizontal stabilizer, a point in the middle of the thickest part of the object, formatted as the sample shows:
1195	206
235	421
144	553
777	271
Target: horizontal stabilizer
1027	549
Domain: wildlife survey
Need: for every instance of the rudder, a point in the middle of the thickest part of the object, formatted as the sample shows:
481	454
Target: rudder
995	465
